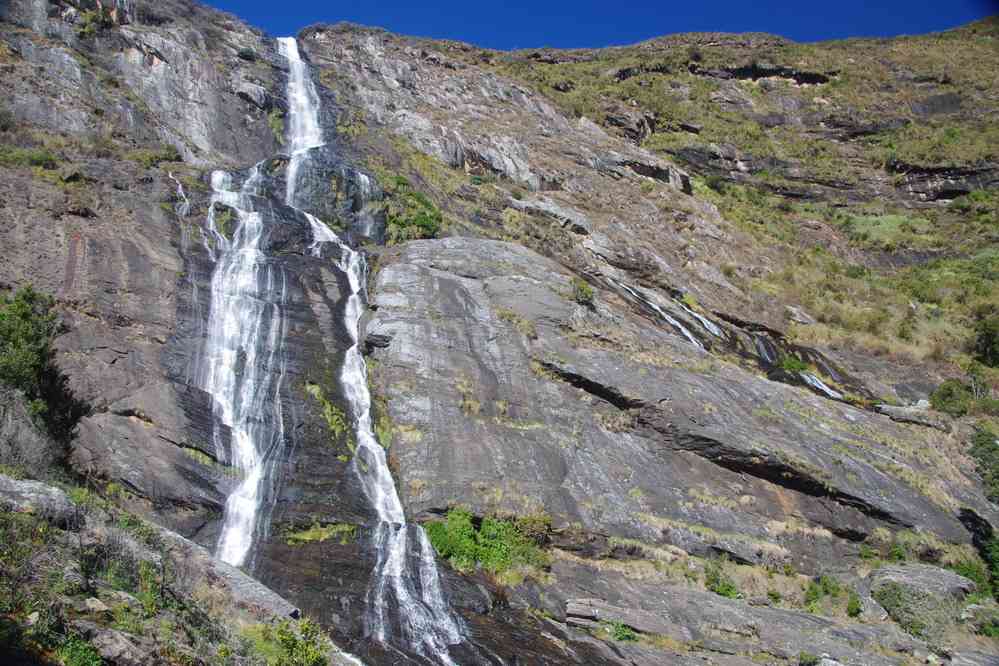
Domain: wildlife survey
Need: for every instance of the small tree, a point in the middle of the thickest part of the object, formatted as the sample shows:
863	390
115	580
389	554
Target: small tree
986	346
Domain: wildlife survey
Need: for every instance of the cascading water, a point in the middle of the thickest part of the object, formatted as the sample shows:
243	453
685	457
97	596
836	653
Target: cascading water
405	600
242	366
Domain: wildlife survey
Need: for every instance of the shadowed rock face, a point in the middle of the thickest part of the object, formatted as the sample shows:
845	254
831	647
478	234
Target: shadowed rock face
651	417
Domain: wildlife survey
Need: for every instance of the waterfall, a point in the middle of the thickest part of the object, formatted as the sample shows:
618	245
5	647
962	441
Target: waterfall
672	321
405	600
241	365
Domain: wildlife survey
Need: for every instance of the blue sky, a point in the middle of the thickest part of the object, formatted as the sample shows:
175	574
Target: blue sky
589	23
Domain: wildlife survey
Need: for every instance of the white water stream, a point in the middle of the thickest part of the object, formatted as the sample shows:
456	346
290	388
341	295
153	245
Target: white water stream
405	599
242	366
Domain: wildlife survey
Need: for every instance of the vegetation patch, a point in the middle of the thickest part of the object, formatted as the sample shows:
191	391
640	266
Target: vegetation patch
582	292
275	120
28	326
919	613
718	581
335	419
410	213
344	532
43	158
153	157
507	549
985	451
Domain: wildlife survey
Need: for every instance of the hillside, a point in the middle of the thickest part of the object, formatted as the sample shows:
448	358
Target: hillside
685	352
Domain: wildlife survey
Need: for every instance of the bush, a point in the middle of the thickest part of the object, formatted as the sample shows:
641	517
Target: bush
7	120
952	397
621	632
497	545
150	158
808	659
247	54
985	451
718	582
986	345
854	607
411	215
27	361
582	292
27	157
793	364
27	327
78	652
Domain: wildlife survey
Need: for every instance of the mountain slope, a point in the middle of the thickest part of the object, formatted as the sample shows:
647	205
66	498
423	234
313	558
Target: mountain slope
632	311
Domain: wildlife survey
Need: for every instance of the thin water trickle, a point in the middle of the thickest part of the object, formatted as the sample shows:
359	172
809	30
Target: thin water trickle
672	321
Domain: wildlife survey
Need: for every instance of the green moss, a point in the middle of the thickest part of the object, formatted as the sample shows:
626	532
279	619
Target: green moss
495	545
224	217
335	419
318	533
525	326
275	120
619	631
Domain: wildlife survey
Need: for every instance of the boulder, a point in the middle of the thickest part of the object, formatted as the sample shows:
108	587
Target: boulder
919	414
39	499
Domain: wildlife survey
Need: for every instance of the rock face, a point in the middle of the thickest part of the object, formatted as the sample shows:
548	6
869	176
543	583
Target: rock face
584	345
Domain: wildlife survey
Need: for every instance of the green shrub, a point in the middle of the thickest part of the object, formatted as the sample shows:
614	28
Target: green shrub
247	54
27	328
27	157
301	648
497	545
986	346
808	659
718	582
150	158
93	21
952	397
793	364
410	214
621	632
976	571
824	586
78	652
582	292
854	607
7	120
916	612
985	451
